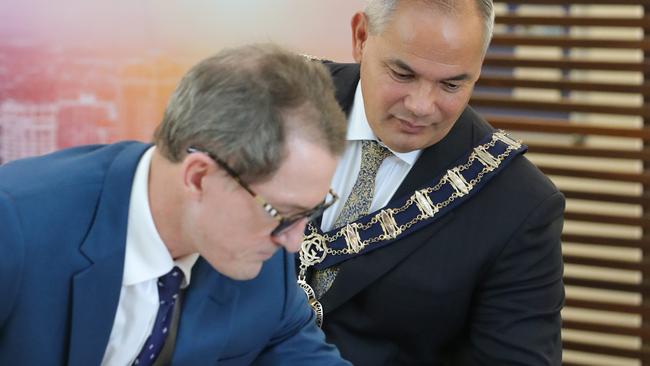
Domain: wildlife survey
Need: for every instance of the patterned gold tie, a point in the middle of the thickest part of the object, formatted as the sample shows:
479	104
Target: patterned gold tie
357	205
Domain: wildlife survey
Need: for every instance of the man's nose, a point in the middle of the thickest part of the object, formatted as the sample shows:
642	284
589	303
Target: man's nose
421	101
291	238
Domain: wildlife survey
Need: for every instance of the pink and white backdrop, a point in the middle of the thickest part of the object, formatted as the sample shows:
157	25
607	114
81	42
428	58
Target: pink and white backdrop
78	72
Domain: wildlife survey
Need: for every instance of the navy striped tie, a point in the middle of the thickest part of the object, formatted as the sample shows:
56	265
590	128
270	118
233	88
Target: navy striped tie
168	287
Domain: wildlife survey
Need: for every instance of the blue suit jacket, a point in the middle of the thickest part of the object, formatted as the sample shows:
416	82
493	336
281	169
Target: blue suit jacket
63	221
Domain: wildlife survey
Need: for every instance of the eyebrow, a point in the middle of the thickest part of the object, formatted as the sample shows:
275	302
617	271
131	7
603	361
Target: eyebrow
402	65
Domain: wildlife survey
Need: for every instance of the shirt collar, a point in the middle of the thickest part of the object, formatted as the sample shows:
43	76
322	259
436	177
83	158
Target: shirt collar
359	128
147	256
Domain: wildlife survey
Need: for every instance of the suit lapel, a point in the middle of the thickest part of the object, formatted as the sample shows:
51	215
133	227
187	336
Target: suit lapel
358	273
96	290
346	78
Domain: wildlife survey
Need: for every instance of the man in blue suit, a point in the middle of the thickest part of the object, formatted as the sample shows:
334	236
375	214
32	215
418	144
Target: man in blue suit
95	241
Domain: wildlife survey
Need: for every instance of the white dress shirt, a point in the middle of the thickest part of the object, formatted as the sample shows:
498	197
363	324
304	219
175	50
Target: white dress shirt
390	175
146	259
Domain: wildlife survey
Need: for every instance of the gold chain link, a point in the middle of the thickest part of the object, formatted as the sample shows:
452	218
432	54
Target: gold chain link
410	202
315	244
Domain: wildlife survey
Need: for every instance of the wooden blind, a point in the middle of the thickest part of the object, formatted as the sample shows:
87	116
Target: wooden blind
570	78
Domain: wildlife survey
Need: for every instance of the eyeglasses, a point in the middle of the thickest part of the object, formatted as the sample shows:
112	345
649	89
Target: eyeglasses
285	222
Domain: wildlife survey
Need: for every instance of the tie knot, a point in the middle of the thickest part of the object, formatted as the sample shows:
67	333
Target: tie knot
373	153
169	284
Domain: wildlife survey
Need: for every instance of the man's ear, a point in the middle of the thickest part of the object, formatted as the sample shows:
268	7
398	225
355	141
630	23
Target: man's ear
359	34
195	168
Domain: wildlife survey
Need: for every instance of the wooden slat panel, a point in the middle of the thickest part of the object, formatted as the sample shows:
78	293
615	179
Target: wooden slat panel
596	174
568	42
564	63
608	219
604	263
643	310
565	363
565	127
562	105
643	154
643	353
642	288
520	123
607	197
499	81
606	328
573	21
607	241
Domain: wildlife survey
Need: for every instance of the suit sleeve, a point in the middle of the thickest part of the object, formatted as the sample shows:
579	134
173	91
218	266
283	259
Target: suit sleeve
299	341
11	257
516	313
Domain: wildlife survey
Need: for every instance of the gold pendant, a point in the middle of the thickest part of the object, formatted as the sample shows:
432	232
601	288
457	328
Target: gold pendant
312	250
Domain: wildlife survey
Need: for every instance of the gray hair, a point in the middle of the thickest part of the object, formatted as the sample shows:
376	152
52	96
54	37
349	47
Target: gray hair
236	105
379	13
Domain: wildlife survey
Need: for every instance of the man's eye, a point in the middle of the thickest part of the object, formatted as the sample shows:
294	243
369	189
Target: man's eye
451	86
400	76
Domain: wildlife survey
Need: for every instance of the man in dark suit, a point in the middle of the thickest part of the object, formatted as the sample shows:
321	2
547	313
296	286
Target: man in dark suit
477	284
100	244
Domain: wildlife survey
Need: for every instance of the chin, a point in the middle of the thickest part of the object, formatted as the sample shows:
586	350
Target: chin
407	145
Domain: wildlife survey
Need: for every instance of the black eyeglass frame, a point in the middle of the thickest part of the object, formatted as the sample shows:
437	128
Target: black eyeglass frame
284	222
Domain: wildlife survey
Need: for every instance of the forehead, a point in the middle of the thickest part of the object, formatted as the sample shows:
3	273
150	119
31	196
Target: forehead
426	37
303	178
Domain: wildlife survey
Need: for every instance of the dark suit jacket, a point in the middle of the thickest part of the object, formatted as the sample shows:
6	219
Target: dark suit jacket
481	286
63	221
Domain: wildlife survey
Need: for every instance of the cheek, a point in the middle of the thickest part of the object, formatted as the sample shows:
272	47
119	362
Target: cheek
382	92
212	221
390	96
453	105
